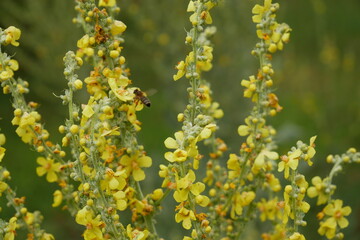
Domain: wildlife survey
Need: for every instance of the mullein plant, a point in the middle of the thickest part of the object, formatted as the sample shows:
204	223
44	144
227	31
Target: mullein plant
99	178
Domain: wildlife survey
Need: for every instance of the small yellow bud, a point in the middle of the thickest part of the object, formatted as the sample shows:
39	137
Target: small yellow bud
116	217
288	189
157	194
346	159
272	48
78	84
74	129
330	159
65	141
92	40
188	39
17	112
90	13
122	60
62	154
269	83
265	69
226	186
79	61
61	128
82	156
88	19
212	192
229	228
2	139
23	210
272	112
90	202
180	117
208	229
352	150
6	89
6	174
40	149
86	187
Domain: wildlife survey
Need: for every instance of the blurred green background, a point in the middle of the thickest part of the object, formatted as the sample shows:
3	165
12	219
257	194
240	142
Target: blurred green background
316	79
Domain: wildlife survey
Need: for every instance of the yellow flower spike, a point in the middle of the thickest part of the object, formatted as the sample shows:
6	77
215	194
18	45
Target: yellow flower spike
107	3
12	35
48	167
58	197
117	27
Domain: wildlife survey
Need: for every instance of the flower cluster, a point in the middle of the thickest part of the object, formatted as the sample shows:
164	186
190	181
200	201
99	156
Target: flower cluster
99	178
23	219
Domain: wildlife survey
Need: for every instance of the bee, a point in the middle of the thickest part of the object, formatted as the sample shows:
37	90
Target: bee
140	96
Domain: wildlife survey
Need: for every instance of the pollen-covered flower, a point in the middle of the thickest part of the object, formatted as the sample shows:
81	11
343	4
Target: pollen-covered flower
290	161
48	167
134	163
12	35
185	216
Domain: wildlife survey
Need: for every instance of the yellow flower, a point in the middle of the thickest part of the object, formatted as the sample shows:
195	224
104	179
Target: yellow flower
185	185
3	187
327	228
48	167
11	229
181	67
107	3
259	11
259	162
134	163
318	190
47	236
93	225
58	197
120	198
234	165
269	209
120	91
337	213
310	151
135	234
185	215
297	236
287	162
239	200
12	35
117	27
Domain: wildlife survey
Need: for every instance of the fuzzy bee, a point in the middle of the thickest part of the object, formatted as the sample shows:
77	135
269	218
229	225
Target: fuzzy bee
140	96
